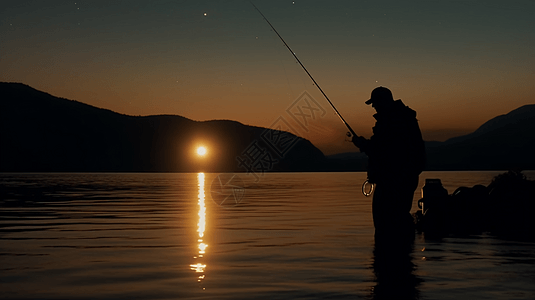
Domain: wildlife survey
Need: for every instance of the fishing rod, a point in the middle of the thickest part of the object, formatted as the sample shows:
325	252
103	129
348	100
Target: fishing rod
314	81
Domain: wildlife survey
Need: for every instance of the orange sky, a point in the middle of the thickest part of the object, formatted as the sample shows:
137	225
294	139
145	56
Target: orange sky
457	64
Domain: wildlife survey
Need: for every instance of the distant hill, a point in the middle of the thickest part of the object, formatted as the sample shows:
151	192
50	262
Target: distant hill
43	133
502	143
348	161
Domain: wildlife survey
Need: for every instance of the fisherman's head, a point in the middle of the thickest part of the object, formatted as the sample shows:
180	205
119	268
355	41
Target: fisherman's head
381	98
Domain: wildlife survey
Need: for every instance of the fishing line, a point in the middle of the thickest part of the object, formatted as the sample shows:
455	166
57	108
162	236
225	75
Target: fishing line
282	61
287	66
292	93
301	64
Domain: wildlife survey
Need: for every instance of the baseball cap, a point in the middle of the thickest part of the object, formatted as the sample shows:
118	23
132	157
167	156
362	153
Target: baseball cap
380	93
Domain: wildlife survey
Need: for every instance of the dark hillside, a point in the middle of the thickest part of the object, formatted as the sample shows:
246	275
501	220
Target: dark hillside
502	143
40	132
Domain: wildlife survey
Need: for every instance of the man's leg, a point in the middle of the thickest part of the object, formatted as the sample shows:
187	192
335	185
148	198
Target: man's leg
392	202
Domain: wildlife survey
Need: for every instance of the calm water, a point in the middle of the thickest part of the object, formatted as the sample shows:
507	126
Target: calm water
185	236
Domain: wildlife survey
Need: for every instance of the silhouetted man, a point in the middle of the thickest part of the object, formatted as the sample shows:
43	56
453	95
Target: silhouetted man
396	157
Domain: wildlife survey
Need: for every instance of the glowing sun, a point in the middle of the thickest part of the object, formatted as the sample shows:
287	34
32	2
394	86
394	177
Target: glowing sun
201	151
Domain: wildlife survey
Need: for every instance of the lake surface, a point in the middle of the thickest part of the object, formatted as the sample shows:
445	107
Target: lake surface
205	236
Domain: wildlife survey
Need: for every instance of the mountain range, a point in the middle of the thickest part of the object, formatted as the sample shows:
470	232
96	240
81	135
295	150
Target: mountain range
506	142
43	133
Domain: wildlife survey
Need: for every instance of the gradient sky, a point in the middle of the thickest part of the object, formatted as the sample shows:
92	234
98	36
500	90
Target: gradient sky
457	63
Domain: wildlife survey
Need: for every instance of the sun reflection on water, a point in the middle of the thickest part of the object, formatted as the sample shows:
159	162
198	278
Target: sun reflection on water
201	226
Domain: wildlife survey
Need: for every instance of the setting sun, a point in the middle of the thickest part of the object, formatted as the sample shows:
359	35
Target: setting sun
201	151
